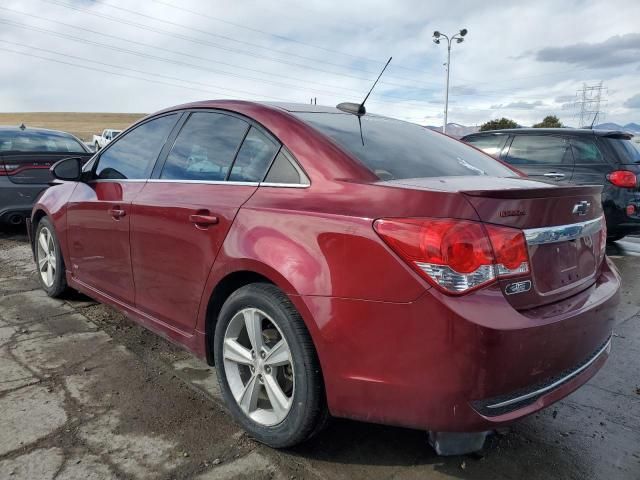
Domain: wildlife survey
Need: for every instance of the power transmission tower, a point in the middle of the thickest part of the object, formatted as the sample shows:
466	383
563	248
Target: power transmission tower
589	104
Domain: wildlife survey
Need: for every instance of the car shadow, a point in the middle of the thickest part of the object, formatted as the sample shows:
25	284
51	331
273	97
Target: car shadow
350	448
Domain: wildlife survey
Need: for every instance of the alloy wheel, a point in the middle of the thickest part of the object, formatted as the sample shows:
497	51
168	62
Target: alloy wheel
46	255
258	366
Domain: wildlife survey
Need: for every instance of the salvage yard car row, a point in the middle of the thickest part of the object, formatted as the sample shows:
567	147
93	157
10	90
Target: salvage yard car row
332	263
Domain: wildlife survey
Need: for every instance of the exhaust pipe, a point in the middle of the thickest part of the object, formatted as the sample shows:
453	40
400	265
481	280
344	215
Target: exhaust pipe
16	219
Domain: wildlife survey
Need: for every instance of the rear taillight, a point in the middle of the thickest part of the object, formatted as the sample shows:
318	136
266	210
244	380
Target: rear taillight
7	169
623	178
603	238
456	256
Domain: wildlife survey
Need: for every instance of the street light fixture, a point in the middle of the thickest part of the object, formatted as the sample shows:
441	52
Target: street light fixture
459	38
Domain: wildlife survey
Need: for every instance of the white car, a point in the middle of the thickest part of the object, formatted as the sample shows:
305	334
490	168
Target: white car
100	141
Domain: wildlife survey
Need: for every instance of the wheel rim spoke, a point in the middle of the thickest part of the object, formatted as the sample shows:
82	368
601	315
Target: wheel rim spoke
236	353
248	399
49	274
43	241
42	264
52	261
253	324
278	355
280	403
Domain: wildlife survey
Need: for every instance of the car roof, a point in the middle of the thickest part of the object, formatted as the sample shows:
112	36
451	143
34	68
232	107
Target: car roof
550	131
12	128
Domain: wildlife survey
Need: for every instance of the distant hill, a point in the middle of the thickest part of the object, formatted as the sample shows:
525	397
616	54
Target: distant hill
455	129
81	124
631	127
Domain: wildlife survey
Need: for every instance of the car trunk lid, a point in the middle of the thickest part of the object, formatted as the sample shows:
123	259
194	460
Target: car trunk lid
561	224
563	230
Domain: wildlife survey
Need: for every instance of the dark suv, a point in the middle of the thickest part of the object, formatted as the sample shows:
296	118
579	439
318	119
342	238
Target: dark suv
576	156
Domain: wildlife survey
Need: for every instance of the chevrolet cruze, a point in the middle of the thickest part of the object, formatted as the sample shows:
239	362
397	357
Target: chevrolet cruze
331	262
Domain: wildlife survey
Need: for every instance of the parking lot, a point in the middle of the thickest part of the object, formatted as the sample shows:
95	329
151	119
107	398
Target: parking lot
86	393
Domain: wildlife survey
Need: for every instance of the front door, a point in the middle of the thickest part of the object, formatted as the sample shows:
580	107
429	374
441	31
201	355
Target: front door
542	157
99	211
182	216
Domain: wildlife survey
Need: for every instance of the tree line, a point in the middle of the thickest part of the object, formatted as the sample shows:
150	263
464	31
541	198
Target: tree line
550	121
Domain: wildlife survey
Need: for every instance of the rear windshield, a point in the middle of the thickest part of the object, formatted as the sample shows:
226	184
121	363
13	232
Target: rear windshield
38	141
627	151
394	149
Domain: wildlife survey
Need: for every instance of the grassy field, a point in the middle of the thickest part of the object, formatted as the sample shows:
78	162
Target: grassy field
81	124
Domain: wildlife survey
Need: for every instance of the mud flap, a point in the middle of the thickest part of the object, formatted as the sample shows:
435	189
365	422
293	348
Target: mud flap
457	443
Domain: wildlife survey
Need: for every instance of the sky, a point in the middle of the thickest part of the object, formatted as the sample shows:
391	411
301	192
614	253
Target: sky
522	60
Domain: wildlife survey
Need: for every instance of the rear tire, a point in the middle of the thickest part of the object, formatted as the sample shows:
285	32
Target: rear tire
49	261
283	402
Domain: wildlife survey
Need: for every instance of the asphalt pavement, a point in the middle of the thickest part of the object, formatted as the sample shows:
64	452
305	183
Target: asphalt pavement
87	394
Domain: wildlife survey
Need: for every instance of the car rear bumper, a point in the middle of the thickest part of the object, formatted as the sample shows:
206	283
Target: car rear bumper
615	204
17	199
438	363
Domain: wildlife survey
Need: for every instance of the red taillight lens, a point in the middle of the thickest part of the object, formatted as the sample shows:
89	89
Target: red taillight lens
456	255
510	249
7	169
623	178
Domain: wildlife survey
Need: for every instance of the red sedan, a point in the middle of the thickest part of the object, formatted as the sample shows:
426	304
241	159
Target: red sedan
336	263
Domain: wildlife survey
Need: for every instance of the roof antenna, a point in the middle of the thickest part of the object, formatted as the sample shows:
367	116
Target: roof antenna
358	108
22	126
594	120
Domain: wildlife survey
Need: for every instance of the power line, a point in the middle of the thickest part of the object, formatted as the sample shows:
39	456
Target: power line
218	46
166	50
66	55
176	62
124	75
107	71
284	37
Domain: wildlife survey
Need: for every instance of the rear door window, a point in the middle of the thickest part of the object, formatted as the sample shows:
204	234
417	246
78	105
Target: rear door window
586	152
539	150
489	144
254	157
133	155
285	171
205	147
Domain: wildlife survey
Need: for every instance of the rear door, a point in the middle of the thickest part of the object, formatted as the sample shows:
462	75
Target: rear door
99	211
542	157
182	215
591	167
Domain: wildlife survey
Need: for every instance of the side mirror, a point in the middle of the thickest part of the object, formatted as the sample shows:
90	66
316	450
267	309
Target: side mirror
67	169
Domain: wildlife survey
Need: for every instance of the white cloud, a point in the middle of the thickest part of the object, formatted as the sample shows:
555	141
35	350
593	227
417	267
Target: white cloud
326	49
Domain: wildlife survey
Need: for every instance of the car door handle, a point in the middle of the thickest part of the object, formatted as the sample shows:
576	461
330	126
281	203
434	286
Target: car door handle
203	220
554	175
117	213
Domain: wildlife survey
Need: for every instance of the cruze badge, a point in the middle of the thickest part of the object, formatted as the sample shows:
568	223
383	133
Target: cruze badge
518	287
512	213
581	208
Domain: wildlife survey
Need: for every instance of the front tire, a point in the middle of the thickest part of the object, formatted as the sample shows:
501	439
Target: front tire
49	261
268	368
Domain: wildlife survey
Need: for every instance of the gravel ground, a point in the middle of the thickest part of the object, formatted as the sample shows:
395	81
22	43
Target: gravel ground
86	393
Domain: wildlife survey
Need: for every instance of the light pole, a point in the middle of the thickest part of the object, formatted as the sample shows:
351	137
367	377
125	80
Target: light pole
459	38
